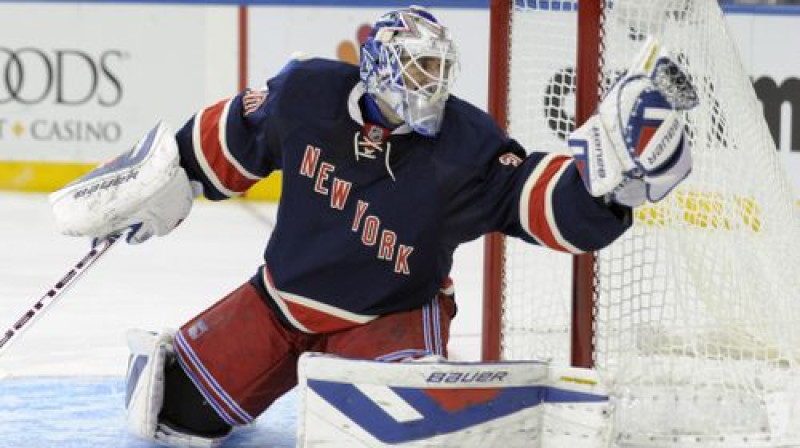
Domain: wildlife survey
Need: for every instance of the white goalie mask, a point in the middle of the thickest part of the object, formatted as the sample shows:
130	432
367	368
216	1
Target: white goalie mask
408	64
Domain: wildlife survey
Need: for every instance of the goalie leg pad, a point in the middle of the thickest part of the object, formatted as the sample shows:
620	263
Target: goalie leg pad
348	402
146	379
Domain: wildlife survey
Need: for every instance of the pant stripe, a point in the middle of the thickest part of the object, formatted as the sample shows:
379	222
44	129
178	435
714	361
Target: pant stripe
219	410
402	354
213	392
426	328
437	330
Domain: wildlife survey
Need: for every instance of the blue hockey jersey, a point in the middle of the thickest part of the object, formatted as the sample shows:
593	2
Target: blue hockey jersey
369	219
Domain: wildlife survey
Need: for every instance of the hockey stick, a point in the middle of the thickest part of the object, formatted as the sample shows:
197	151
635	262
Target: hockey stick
38	308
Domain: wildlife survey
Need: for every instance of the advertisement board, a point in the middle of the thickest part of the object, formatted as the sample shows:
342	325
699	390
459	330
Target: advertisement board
770	54
82	83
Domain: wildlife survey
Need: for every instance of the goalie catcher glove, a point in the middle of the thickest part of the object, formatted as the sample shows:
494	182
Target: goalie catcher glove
144	189
634	148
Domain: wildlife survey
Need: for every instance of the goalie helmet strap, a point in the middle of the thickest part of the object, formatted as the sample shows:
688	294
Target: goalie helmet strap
185	409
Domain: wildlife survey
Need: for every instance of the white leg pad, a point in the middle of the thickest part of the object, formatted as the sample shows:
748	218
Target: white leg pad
144	398
347	403
145	380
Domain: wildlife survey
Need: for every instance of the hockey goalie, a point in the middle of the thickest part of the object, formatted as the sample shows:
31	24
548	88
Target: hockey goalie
385	174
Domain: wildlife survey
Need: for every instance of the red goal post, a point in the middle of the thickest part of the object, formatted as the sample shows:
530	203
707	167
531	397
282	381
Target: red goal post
587	90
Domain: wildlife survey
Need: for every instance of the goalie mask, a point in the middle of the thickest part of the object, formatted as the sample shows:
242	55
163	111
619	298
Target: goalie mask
408	64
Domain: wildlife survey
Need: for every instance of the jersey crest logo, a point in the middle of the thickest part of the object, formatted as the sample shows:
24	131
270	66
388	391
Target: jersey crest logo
252	100
510	159
370	140
378	134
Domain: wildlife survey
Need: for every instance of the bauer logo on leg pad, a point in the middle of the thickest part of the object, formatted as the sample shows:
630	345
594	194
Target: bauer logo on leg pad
489	376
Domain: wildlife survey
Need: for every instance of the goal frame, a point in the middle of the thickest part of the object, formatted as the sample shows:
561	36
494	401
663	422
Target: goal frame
689	317
587	95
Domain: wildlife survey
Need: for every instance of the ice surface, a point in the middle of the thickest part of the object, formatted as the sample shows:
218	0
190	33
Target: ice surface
88	412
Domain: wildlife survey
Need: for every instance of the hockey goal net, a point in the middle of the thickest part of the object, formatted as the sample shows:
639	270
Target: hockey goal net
693	316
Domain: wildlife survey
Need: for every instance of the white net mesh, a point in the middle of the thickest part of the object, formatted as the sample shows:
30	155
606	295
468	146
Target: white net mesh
541	101
696	306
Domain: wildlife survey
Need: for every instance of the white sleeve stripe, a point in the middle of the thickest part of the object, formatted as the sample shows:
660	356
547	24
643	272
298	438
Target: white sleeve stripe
325	308
558	241
223	140
524	213
276	298
197	143
281	298
550	214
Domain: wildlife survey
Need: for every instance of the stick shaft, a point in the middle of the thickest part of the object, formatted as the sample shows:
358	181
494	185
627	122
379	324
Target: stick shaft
43	304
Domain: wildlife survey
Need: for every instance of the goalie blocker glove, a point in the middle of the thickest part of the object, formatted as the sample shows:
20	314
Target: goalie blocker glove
634	149
144	189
